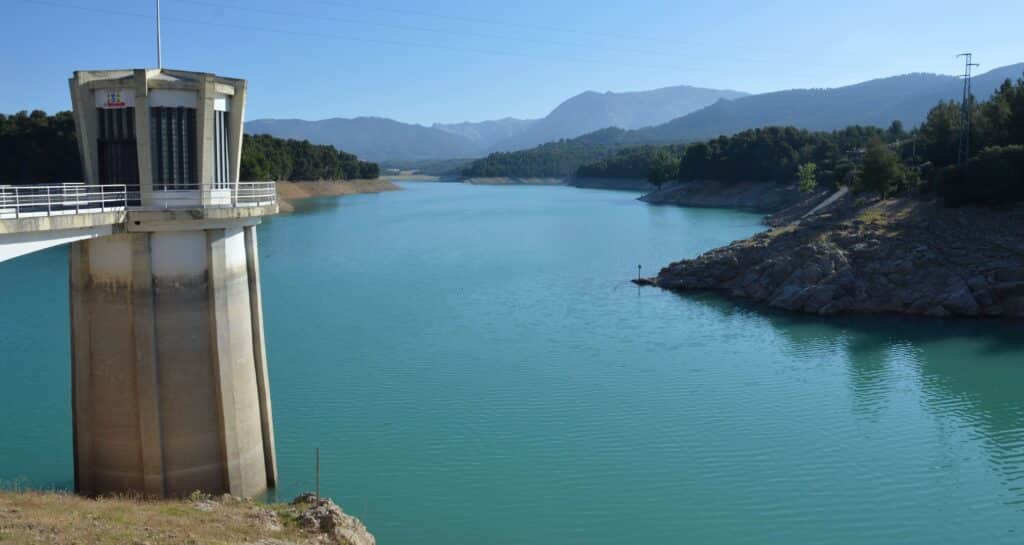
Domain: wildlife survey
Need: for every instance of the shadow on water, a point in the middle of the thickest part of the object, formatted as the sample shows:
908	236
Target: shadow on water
319	205
970	372
867	332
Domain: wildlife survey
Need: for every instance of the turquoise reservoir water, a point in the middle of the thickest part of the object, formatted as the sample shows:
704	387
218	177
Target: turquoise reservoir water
477	370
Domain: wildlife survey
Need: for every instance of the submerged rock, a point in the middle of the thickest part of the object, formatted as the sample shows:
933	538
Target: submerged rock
904	256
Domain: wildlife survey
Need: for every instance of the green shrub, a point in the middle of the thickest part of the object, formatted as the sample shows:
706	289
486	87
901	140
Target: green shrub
995	176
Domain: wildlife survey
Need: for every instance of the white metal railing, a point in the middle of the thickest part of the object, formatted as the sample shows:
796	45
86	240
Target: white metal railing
67	199
29	201
255	193
242	194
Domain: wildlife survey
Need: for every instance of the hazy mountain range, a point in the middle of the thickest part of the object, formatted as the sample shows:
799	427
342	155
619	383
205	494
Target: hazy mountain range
878	102
379	139
672	114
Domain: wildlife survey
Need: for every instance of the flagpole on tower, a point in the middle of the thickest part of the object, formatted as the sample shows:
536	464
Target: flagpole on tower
159	47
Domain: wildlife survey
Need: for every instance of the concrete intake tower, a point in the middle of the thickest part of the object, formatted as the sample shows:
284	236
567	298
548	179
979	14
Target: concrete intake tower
170	392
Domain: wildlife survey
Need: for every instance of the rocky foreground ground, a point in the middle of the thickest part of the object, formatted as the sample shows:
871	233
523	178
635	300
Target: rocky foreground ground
65	519
906	256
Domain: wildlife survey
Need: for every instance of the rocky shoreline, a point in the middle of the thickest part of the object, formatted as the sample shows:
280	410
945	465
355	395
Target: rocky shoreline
854	255
766	197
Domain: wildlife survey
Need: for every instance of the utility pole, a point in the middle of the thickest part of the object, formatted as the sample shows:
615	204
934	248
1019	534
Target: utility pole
159	46
964	153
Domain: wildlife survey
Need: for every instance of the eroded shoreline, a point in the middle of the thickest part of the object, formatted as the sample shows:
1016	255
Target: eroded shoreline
289	192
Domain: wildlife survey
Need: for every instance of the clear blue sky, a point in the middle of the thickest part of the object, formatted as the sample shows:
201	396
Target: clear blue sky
459	60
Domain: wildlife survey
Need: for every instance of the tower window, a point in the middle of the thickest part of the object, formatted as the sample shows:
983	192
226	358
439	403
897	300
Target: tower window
118	156
173	144
222	174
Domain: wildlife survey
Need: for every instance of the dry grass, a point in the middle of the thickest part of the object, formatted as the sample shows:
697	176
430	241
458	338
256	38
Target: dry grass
888	212
779	231
65	519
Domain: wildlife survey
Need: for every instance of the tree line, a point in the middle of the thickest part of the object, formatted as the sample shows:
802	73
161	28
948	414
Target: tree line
35	147
767	154
265	157
40	148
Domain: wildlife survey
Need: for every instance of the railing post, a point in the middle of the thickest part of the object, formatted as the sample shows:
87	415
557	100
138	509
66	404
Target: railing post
103	200
125	189
17	203
49	207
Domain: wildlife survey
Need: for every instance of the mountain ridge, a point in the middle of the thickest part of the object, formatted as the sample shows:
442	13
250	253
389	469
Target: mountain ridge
876	102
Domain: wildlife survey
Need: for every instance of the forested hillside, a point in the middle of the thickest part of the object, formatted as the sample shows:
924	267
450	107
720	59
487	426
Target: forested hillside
40	148
555	159
871	159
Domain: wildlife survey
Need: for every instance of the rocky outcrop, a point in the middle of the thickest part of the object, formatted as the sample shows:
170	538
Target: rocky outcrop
899	256
325	517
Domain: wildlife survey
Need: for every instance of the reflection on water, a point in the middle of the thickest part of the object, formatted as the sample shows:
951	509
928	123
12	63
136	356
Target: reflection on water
476	369
968	374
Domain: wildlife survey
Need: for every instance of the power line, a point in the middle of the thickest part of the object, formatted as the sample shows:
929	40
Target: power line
463	33
409	44
396	43
966	105
533	26
562	30
392	26
519	38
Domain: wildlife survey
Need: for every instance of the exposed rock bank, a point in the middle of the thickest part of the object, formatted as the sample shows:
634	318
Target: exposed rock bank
767	197
289	192
324	516
904	256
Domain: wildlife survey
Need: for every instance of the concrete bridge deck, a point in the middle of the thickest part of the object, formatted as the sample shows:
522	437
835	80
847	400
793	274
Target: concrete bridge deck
35	217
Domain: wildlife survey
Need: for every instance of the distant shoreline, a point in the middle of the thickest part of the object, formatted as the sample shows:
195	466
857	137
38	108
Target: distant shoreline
289	192
411	176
